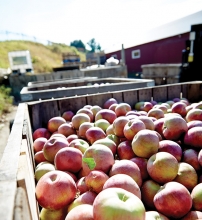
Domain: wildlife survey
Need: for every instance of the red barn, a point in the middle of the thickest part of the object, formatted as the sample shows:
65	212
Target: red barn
163	45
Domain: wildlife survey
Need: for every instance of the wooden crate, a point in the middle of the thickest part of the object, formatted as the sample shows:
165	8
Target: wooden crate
77	87
17	184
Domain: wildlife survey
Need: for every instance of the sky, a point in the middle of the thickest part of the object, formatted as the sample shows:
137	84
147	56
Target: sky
109	22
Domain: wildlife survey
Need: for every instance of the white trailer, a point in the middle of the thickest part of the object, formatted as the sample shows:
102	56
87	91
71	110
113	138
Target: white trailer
20	61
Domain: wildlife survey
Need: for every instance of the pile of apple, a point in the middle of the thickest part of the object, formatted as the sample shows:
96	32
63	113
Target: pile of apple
117	162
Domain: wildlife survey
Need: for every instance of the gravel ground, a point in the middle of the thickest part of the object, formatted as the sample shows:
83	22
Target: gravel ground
5	128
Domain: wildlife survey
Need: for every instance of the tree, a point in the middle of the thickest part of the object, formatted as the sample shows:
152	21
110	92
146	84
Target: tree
78	44
93	45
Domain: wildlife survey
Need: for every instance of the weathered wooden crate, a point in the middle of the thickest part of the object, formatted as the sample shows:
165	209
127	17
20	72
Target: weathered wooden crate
17	184
77	87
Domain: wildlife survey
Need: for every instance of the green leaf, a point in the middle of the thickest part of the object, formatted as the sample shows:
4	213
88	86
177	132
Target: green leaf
90	162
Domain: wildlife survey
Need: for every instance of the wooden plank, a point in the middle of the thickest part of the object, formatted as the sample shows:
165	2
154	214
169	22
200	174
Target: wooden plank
130	97
98	99
160	93
26	180
174	91
145	94
194	91
9	166
118	96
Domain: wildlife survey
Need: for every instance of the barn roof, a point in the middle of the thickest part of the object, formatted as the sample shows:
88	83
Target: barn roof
177	27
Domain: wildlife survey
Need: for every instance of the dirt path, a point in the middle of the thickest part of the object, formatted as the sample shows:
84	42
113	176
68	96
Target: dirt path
5	128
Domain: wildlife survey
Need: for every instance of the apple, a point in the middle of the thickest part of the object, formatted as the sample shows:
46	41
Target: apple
39	143
174	127
79	144
118	125
156	113
54	123
97	157
57	135
171	147
73	175
194	123
66	129
84	212
187	176
41	132
122	108
95	180
72	137
39	157
173	200
102	123
94	133
110	130
109	102
158	126
146	106
52	146
142	164
149	189
138	105
80	118
190	156
170	102
180	108
193	215
114	138
132	127
118	204
200	157
149	124
196	195
162	167
113	106
123	181
67	115
153	215
87	197
162	107
49	214
55	190
106	114
193	137
42	168
194	114
126	167
88	112
81	185
109	143
125	151
83	128
145	143
68	159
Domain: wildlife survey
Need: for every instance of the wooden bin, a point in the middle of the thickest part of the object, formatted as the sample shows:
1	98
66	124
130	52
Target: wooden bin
17	184
77	87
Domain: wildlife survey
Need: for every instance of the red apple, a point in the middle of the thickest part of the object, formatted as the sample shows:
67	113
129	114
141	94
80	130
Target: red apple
66	129
126	167
55	190
158	126
122	108
95	109
123	181
80	118
173	200
132	127
162	167
153	215
95	180
39	143
156	113
187	176
54	123
194	123
67	115
196	195
180	108
72	137
174	127
97	157
193	215
194	114
106	114
148	190
52	146
39	157
109	102
118	125
125	151
79	144
149	124
68	159
41	132
146	106
94	133
83	128
84	212
81	185
87	197
193	137
119	204
190	156
145	143
113	106
171	147
88	112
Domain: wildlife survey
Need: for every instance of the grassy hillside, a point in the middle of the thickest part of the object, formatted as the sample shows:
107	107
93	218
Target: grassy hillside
44	57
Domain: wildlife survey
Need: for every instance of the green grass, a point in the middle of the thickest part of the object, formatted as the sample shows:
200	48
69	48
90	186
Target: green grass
5	99
44	58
